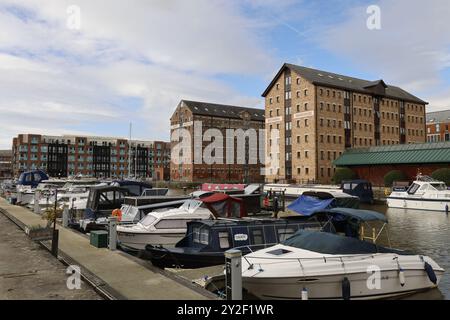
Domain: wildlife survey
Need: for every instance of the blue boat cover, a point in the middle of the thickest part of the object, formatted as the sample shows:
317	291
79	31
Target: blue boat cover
307	205
328	243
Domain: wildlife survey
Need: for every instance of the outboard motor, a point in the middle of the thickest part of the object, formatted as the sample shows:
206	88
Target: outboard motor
346	289
430	272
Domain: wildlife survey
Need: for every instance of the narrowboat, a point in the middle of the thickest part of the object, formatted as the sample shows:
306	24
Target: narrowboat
206	241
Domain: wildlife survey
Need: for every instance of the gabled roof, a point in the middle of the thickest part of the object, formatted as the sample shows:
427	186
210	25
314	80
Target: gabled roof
397	154
438	116
222	110
330	79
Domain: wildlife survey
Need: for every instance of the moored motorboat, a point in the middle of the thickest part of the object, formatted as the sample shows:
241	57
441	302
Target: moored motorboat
424	193
332	266
165	227
205	242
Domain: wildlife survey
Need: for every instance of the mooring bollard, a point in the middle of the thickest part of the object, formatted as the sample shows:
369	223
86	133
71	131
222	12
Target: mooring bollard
233	274
112	221
37	198
65	217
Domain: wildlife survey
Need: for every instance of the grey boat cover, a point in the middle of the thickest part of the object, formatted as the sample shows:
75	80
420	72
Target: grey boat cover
329	243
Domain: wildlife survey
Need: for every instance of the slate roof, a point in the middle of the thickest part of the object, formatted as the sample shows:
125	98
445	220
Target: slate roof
438	116
325	78
222	110
420	153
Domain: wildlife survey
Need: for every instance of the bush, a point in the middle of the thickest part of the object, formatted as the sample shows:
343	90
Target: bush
394	175
343	174
442	174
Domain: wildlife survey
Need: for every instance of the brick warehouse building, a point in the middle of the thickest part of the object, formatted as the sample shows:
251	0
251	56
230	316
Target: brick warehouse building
5	164
438	124
320	114
90	156
373	163
220	117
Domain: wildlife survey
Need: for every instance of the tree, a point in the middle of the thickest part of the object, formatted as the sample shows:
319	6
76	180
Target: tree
343	174
394	175
442	174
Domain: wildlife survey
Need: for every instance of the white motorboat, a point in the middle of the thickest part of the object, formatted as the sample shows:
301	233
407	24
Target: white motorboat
423	194
323	265
162	227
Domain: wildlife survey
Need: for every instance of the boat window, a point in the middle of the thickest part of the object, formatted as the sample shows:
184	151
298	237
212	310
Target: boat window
191	205
148	220
171	224
257	236
279	252
414	187
439	186
200	235
284	233
224	240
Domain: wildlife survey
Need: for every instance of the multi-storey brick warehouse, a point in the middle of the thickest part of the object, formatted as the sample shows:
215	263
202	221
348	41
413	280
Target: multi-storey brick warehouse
438	124
221	118
5	164
62	156
319	114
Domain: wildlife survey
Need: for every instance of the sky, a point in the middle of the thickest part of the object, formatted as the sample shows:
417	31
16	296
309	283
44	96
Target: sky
91	67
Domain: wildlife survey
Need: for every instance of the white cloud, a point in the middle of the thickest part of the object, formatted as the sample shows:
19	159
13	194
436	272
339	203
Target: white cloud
411	49
130	61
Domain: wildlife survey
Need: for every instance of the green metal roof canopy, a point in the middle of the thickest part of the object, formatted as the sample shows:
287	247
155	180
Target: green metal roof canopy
396	154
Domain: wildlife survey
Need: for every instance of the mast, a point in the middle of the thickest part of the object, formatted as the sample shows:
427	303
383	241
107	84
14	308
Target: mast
129	153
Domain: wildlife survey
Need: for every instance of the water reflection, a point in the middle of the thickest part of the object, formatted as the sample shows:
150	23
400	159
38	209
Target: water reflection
422	232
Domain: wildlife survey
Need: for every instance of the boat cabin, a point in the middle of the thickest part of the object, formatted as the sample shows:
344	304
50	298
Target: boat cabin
135	188
32	178
223	234
103	199
360	188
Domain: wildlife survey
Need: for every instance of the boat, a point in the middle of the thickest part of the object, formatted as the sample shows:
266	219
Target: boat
360	188
321	265
162	227
312	201
206	241
424	193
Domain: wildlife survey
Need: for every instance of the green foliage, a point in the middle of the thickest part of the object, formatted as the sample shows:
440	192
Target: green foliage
343	174
442	174
394	175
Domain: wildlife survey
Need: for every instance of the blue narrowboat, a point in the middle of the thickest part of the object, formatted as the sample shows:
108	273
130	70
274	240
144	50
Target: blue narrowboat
206	241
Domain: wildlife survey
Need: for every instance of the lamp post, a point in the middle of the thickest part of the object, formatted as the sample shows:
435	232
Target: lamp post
55	237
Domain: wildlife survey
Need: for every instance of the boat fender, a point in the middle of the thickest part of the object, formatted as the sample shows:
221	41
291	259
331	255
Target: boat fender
430	272
446	209
304	294
401	276
346	289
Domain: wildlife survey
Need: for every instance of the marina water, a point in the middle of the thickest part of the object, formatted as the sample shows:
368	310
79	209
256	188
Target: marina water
422	232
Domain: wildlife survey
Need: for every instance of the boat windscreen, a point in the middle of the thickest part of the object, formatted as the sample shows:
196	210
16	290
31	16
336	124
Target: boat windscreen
328	243
439	186
148	220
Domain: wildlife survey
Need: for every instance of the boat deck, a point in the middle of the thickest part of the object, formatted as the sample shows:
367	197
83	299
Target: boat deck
112	272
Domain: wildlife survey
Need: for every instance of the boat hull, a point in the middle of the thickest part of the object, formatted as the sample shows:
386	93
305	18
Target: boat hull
418	204
330	287
138	241
168	258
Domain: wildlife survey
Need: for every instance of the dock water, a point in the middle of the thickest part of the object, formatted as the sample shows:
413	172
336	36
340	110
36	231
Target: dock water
113	273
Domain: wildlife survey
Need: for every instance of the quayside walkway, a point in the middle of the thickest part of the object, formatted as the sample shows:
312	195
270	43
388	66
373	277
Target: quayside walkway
112	272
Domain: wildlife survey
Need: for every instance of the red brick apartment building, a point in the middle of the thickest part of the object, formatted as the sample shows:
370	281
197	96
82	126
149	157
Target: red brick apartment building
438	126
62	156
221	117
5	164
321	114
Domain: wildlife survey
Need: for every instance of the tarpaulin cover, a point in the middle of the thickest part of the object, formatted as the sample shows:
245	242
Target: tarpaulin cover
222	205
307	205
328	243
